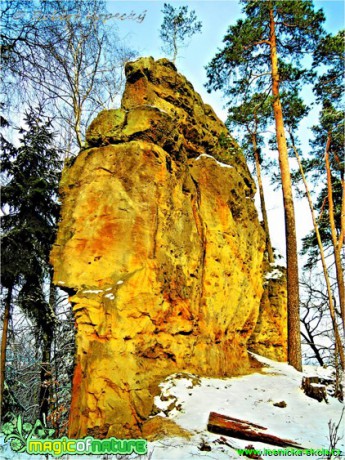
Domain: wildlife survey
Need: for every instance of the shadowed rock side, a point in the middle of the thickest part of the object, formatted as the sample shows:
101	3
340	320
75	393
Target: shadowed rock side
269	338
161	245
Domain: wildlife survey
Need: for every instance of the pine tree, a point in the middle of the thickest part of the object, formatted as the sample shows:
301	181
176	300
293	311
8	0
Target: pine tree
330	53
326	165
258	51
295	111
177	26
30	175
328	142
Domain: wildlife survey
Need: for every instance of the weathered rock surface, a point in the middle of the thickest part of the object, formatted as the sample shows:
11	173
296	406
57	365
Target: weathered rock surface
270	334
160	243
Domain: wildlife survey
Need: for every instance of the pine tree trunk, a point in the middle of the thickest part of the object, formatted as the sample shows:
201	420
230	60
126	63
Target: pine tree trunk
7	316
242	429
294	335
339	346
262	200
337	244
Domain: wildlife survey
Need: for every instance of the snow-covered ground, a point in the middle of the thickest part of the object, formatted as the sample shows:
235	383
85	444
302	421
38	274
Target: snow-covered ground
251	398
188	400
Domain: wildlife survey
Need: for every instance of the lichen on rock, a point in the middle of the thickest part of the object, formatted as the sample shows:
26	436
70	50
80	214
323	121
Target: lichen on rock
160	243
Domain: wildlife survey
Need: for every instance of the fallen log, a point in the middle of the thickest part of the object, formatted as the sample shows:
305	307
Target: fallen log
241	429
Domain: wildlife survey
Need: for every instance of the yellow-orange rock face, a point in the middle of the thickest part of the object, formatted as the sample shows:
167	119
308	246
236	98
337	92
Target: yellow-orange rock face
160	242
269	338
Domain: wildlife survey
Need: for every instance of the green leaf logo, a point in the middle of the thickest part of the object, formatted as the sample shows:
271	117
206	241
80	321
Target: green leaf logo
18	432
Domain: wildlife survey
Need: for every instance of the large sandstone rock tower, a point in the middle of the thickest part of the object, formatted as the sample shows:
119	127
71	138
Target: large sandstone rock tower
161	250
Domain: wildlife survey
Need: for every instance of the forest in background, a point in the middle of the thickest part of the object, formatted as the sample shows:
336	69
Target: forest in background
62	63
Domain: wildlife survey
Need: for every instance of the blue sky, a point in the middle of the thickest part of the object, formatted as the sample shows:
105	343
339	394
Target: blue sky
216	16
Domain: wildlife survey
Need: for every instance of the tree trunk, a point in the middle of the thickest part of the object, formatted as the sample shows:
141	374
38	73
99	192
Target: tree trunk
294	335
337	244
339	346
46	377
262	200
175	44
7	316
175	53
77	119
313	388
241	429
46	368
